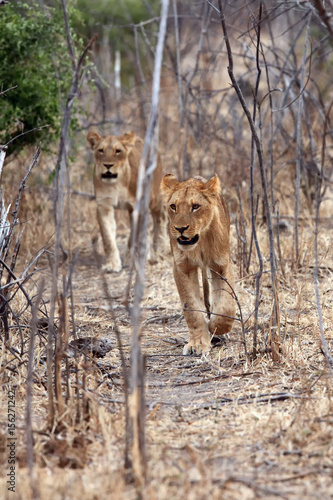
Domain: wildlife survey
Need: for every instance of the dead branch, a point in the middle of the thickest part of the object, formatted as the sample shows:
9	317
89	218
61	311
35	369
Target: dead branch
18	201
299	149
2	158
258	145
253	213
30	442
59	200
36	129
5	245
2	92
138	253
233	293
319	199
261	398
324	14
127	461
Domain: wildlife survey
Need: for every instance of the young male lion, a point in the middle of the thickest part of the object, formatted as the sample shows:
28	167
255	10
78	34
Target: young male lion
117	161
199	228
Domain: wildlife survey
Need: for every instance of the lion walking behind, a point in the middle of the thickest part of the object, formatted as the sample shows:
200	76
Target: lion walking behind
117	160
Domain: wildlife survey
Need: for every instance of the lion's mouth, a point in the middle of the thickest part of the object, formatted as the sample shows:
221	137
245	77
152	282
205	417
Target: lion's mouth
183	240
109	175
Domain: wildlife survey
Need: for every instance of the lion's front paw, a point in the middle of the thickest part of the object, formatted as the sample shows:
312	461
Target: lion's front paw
154	258
111	267
201	346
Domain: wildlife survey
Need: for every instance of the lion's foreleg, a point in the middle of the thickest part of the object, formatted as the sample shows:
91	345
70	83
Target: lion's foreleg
189	293
159	229
107	224
223	303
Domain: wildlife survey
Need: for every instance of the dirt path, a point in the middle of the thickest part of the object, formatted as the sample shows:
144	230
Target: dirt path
220	426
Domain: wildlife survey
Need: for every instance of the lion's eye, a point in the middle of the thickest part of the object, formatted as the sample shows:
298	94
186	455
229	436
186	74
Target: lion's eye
118	151
173	207
195	207
101	150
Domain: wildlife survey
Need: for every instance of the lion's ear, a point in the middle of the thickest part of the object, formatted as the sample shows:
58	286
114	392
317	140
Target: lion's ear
128	138
169	184
93	139
212	186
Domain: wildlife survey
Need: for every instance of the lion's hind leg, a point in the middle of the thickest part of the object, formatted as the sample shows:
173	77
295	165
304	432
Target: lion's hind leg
159	230
223	304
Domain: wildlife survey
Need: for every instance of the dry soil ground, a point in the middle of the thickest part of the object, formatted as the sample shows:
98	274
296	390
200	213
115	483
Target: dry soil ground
220	427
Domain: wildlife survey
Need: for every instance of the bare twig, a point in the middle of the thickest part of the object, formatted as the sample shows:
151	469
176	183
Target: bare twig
299	149
30	444
117	84
127	461
68	35
239	308
324	14
5	245
18	201
139	241
253	213
25	133
319	180
59	200
243	236
2	92
2	158
257	142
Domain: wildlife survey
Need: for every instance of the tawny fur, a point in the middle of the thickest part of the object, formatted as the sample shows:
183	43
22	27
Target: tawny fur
198	213
120	156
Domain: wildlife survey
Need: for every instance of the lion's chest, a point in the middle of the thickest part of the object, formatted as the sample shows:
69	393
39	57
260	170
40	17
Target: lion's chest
200	258
191	259
117	194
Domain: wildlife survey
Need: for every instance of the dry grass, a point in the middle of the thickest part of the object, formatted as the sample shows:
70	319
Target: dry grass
219	427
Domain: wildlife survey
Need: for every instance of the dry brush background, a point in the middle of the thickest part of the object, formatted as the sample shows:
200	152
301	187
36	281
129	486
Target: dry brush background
227	426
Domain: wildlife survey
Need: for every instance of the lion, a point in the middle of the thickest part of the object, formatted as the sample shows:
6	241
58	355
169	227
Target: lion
199	227
117	160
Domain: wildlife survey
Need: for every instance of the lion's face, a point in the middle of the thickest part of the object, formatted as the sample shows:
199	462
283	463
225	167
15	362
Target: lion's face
190	208
111	155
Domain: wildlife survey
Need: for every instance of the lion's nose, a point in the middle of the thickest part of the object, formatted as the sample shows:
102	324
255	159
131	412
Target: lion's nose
181	229
108	165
